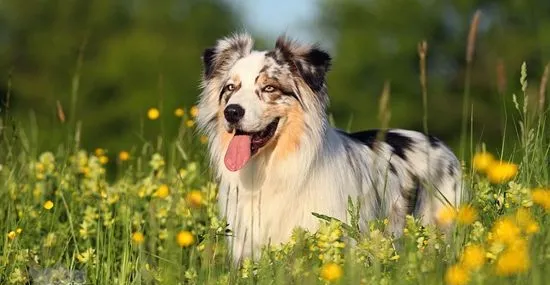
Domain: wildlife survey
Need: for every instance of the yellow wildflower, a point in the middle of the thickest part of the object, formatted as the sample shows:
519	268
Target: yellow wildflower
39	167
466	215
19	231
532	228
542	197
86	256
204	139
505	231
446	215
48	205
194	111
84	170
185	238
482	161
162	192
512	260
331	272
473	257
457	275
153	114
103	159
179	112
194	198
99	152
502	172
123	155
190	123
525	221
12	235
138	238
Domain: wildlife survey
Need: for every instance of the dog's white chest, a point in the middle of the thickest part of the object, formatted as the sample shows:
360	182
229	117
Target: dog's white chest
268	216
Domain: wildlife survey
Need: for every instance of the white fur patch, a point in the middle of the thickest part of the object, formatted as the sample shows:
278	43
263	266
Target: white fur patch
247	70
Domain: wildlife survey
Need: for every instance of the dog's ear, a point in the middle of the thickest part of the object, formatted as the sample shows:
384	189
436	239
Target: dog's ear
310	62
218	59
208	56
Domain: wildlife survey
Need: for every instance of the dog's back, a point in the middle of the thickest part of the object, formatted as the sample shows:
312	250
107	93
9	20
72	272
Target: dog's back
423	169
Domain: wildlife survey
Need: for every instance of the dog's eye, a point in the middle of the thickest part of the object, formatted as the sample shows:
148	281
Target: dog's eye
230	87
268	89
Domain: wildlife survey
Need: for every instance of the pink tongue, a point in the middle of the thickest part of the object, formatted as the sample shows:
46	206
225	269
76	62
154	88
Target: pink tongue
238	152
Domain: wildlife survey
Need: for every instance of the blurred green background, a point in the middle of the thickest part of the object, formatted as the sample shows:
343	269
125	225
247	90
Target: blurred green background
108	61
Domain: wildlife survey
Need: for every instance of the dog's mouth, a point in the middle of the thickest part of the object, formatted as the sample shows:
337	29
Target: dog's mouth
244	145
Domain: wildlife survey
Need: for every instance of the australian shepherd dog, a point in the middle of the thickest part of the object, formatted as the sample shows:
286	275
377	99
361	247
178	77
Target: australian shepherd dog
278	160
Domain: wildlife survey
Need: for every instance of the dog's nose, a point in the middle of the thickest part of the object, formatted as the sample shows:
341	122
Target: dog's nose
233	113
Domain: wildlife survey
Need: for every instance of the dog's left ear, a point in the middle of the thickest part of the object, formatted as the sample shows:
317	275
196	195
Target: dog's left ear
310	62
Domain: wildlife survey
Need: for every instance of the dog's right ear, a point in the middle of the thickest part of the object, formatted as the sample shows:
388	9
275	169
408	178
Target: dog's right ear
219	59
207	57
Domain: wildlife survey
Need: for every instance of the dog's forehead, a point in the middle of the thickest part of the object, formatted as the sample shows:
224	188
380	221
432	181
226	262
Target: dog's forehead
248	67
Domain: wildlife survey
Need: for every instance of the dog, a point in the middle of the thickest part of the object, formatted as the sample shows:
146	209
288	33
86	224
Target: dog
278	160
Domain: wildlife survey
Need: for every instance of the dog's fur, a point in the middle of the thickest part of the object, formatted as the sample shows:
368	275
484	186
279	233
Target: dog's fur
308	166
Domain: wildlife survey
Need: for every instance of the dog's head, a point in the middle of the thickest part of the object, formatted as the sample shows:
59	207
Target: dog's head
259	101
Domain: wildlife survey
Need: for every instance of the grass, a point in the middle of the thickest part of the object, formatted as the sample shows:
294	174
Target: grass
156	221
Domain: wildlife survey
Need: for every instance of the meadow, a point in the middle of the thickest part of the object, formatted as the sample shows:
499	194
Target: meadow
148	214
155	221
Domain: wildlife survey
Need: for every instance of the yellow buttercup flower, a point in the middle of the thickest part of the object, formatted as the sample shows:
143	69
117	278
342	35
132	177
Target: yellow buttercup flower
505	231
473	257
194	198
331	272
162	192
541	197
482	161
179	112
39	167
103	159
185	238
138	238
86	256
204	139
12	235
532	228
501	172
19	231
457	275
153	114
84	170
48	205
466	215
190	123
446	216
99	152
512	261
194	111
123	155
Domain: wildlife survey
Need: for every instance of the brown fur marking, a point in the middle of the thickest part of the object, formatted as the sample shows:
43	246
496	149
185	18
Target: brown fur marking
288	141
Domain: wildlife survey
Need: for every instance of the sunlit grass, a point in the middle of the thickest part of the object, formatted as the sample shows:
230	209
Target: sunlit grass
158	221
